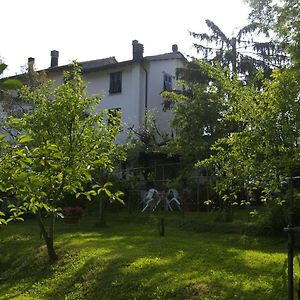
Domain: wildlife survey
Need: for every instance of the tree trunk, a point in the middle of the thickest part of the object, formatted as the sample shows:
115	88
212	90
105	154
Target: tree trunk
101	220
48	237
234	55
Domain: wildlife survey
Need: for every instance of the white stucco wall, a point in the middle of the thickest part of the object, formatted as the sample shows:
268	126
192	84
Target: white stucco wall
56	76
132	98
157	69
129	100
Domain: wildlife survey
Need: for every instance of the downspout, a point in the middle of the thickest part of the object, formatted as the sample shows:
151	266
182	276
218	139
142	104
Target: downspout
234	65
146	88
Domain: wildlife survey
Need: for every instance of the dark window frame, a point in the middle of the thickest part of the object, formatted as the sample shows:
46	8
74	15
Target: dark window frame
168	82
115	83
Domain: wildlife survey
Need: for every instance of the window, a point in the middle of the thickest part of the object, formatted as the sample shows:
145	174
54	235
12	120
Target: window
168	82
115	85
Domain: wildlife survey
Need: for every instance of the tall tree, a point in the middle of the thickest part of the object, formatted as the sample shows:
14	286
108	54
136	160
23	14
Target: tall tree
199	110
241	53
56	150
9	98
263	151
198	113
6	85
282	19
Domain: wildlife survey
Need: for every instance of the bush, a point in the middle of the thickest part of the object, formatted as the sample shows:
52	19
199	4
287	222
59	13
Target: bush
272	221
71	200
224	215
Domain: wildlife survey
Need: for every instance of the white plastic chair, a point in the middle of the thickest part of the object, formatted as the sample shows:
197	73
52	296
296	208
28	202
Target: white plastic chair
173	197
151	199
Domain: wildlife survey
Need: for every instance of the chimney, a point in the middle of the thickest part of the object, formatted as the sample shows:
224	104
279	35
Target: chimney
174	48
137	51
30	64
54	58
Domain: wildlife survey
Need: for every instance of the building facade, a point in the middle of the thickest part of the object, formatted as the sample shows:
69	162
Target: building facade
132	86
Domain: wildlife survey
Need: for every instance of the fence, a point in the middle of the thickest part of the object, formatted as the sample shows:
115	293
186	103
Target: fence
194	188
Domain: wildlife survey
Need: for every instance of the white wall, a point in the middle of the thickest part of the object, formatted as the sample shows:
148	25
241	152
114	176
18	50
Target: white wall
132	98
156	79
129	100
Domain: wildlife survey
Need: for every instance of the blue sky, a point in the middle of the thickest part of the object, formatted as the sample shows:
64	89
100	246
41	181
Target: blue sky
92	29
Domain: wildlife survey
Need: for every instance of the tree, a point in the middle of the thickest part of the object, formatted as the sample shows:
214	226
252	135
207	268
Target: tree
198	113
263	150
282	19
6	85
199	110
241	53
288	27
198	119
143	142
10	100
148	137
56	149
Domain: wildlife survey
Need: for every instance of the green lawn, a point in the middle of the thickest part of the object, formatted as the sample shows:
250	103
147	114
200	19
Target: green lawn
197	259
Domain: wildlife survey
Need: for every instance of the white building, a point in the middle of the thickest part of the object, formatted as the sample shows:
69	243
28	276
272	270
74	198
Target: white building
132	86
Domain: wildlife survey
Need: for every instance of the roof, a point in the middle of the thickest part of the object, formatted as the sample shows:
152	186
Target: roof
111	62
86	65
171	55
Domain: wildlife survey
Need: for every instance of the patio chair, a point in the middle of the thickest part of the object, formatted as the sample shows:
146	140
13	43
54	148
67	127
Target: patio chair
151	199
173	198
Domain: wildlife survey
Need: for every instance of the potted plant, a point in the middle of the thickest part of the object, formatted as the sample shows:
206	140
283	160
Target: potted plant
72	214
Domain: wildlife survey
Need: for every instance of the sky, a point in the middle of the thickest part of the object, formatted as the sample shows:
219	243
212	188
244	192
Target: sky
94	29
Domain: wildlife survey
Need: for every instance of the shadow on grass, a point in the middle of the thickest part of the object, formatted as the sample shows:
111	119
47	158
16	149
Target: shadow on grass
130	261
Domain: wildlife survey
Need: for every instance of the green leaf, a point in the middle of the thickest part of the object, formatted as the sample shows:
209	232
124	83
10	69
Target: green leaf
119	194
52	147
93	193
100	191
3	221
21	153
2	68
108	193
108	184
25	139
3	136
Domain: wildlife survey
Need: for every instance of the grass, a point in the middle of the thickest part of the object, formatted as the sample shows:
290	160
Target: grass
197	259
